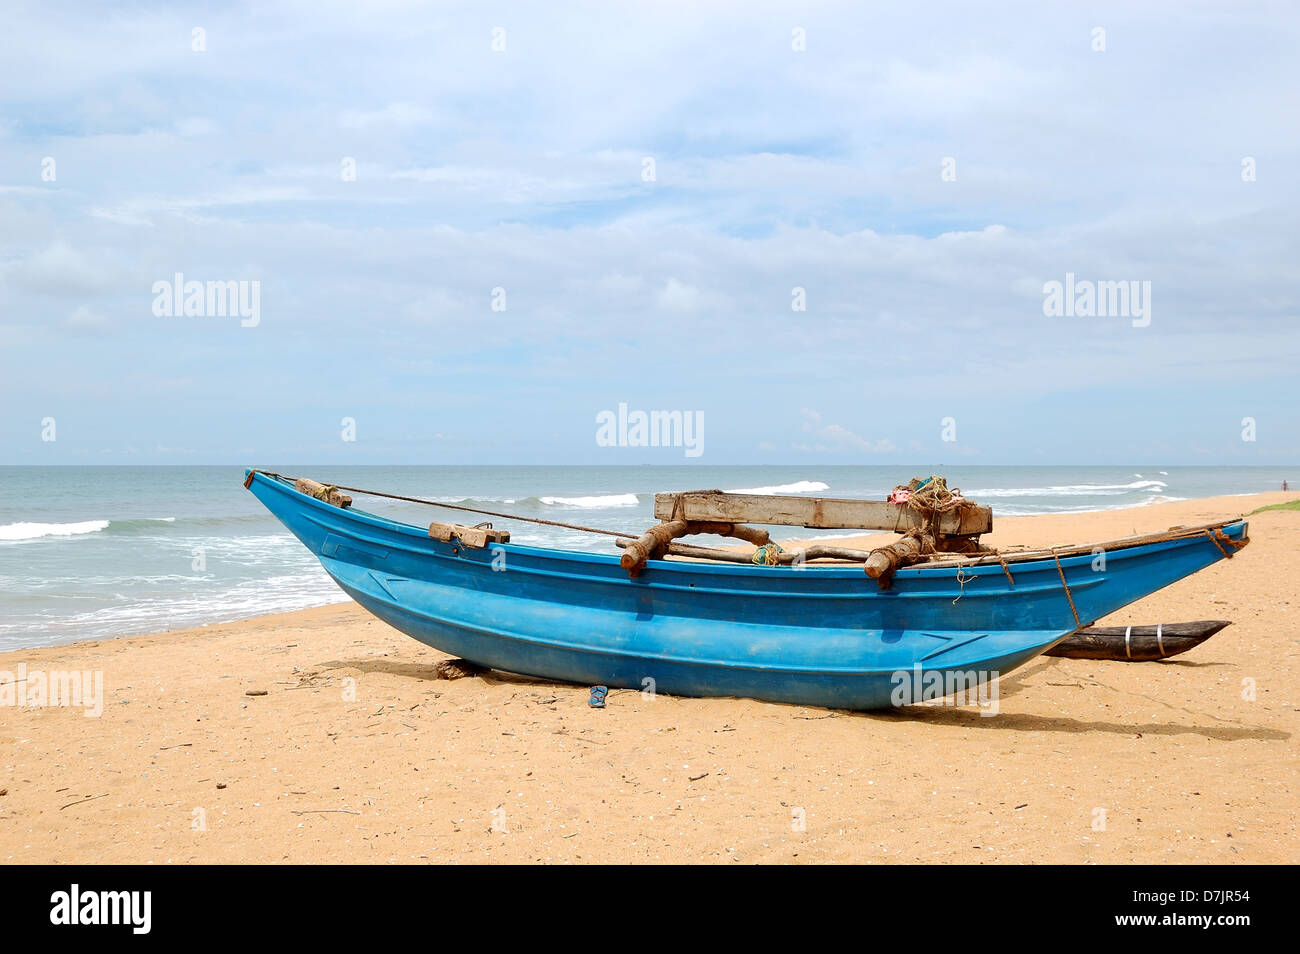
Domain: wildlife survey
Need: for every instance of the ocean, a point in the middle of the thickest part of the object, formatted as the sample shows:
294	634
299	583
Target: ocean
90	552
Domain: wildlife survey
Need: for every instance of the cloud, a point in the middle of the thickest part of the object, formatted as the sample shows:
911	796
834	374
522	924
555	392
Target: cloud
146	209
774	169
835	437
396	115
196	126
60	269
678	296
84	321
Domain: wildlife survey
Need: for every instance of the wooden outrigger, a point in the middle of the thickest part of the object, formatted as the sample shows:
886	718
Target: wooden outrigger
1136	643
931	519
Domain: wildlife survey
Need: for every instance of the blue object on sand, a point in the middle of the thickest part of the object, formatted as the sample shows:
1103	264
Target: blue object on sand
809	635
598	694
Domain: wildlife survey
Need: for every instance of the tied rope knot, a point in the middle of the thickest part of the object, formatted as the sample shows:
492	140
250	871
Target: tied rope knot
930	497
1221	539
769	554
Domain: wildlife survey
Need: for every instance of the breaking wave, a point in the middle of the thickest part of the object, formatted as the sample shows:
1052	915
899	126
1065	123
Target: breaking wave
597	502
22	531
798	487
1068	490
34	531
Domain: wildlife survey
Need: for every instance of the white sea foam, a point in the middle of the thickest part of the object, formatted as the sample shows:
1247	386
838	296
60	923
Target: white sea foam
596	502
1010	510
470	500
1068	490
131	614
34	531
798	487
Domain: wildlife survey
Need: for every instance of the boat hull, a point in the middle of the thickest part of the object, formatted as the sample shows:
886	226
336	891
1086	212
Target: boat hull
824	636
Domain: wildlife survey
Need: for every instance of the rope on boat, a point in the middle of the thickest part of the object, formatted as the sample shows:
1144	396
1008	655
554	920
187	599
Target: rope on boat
1068	595
932	496
446	506
769	554
1005	569
1219	538
962	580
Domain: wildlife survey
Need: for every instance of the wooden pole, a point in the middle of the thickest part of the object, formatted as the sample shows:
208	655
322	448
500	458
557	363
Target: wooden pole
651	544
882	563
1136	643
328	493
814	552
754	535
657	540
819	512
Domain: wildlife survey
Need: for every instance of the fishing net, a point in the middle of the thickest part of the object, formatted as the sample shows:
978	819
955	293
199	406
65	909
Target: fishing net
929	495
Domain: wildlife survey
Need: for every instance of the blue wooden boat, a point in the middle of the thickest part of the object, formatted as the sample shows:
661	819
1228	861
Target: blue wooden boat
813	635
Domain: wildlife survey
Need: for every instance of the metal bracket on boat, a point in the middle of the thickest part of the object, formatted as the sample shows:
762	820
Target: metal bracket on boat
478	536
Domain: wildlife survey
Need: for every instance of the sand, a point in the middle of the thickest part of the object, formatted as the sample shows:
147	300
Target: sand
356	753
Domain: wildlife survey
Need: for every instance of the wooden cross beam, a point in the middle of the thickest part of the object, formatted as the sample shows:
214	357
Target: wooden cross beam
822	513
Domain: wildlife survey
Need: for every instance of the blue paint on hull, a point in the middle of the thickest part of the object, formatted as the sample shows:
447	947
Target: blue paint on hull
823	636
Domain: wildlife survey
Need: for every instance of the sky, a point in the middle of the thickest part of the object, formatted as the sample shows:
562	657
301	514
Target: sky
474	227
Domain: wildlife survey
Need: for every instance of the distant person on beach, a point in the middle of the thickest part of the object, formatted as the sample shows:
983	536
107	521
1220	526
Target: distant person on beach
1284	485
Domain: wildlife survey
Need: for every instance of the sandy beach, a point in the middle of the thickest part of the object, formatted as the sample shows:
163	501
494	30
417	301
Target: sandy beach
351	750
